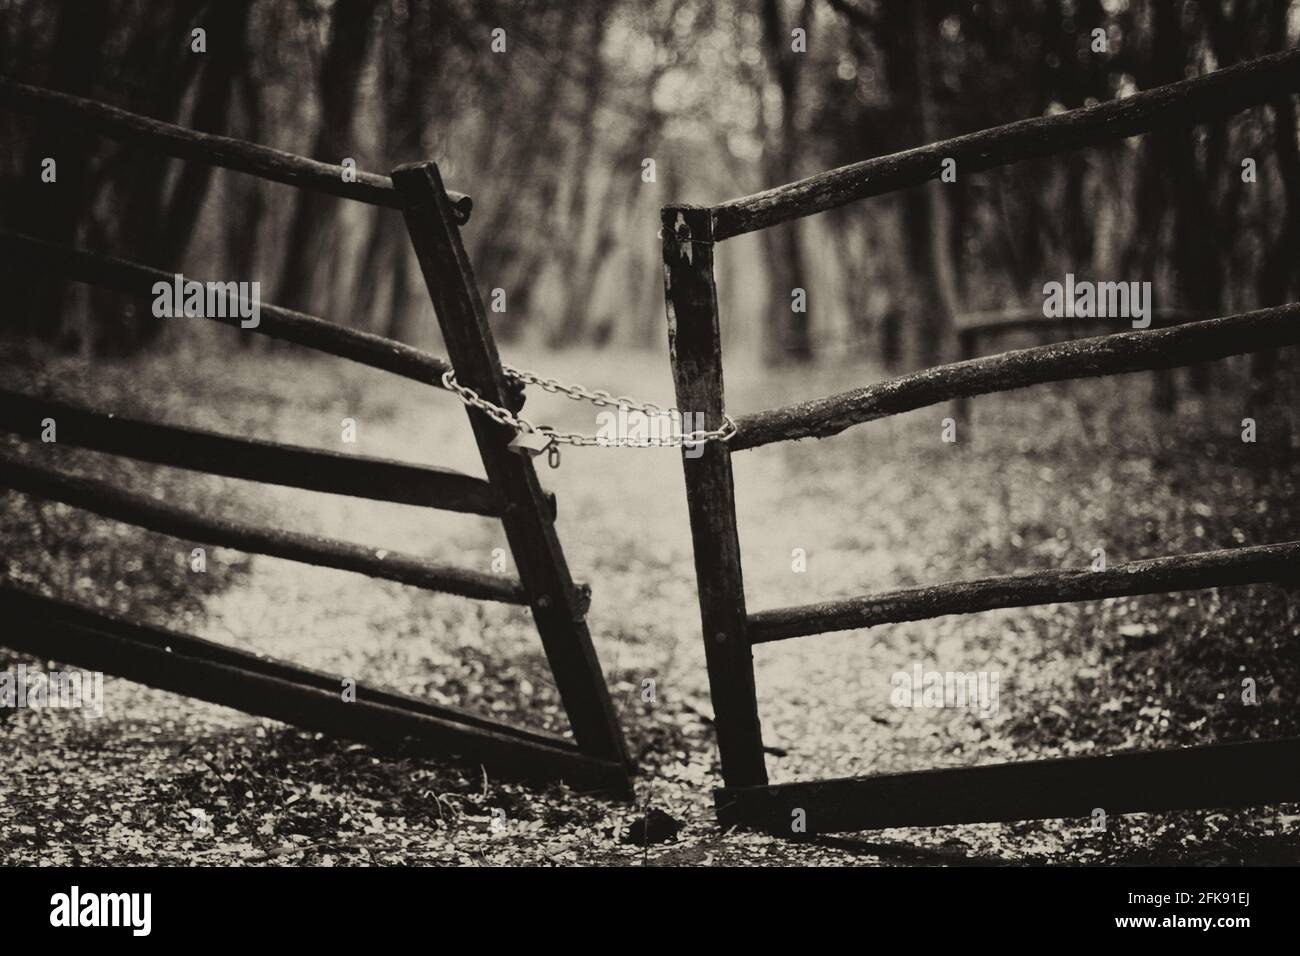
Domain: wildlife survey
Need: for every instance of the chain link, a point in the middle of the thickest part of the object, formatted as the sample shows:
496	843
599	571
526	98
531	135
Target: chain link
580	393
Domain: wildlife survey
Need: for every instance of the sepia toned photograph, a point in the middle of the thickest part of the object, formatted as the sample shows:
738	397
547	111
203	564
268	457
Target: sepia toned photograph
661	434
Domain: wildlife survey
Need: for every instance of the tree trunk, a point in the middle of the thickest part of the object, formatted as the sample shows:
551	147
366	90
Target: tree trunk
1160	153
247	201
789	332
166	246
580	262
53	210
310	248
162	62
942	266
926	218
1279	277
228	50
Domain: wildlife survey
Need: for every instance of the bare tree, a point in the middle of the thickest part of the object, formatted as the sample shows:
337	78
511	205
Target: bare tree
310	245
55	213
789	332
226	25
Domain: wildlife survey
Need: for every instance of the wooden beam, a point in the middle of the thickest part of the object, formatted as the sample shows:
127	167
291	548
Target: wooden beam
558	605
1200	100
183	143
275	322
695	348
373	478
1017	320
1185	572
295	696
1112	354
103	499
25	605
1253	773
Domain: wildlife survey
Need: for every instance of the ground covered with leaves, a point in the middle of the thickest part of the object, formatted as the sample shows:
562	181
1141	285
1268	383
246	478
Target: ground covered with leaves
1042	478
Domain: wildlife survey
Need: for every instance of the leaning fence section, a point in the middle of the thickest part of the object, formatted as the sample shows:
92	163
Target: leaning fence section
1219	775
596	757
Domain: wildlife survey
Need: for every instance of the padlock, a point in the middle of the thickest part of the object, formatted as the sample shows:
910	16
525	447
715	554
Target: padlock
531	443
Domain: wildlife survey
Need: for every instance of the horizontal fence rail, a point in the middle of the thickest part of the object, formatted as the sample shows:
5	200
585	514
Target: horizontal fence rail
1014	320
185	665
183	143
1185	572
377	479
1242	774
27	605
276	322
1112	354
104	499
1198	100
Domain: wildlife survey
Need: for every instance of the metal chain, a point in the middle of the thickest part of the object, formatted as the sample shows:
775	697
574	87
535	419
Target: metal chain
580	393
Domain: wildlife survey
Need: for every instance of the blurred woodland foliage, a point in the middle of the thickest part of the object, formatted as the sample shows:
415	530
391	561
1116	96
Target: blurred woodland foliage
550	137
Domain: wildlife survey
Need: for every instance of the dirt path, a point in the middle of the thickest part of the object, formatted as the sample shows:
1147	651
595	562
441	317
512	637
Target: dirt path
884	505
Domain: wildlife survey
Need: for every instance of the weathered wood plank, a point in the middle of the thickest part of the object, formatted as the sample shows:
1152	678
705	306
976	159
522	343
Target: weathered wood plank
255	460
1184	572
177	663
183	143
1112	354
1198	100
695	348
25	605
276	322
1252	773
1033	320
558	606
103	499
975	327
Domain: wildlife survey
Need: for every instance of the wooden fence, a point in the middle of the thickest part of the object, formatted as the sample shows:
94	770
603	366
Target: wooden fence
1221	775
596	758
976	328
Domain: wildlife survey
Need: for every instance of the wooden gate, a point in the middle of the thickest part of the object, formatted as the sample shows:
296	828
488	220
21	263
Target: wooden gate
595	759
1214	776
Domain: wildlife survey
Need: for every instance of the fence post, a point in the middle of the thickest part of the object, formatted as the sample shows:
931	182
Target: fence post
691	299
559	610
